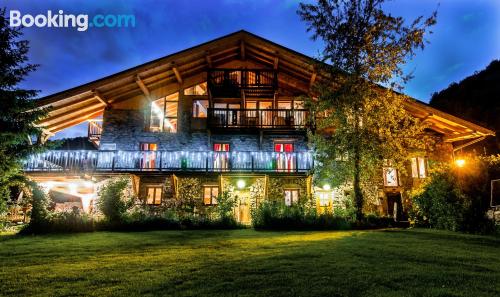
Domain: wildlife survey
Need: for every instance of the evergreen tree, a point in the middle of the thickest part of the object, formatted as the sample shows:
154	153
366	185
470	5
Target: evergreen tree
18	114
362	126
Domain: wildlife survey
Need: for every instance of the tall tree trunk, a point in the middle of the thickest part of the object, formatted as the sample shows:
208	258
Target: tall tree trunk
358	194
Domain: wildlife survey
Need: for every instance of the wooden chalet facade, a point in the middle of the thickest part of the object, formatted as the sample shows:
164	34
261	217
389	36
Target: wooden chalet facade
223	115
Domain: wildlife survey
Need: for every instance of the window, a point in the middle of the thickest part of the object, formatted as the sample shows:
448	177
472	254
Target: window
221	155
285	161
210	194
154	194
148	155
200	108
324	199
418	167
164	114
390	177
284	104
291	196
197	90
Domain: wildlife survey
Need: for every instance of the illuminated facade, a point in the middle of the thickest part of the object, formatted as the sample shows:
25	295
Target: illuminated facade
221	116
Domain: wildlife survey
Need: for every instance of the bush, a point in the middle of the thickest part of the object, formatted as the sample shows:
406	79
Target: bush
114	201
456	199
275	215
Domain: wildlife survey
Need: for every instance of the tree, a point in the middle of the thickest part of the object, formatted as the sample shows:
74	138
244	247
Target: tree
475	98
18	114
362	125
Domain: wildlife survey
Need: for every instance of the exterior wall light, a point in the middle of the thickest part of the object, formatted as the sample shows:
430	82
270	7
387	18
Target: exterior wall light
326	187
240	184
460	162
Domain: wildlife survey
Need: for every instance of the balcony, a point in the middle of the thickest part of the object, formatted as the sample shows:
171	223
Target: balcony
278	119
168	161
231	83
94	131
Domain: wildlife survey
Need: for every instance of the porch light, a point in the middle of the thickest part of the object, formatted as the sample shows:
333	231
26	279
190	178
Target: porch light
240	184
460	162
326	187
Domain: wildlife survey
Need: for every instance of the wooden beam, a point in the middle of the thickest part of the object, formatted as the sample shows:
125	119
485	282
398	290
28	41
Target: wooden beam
177	74
312	80
53	117
142	86
77	117
77	122
209	59
437	122
469	143
242	50
276	61
99	97
456	137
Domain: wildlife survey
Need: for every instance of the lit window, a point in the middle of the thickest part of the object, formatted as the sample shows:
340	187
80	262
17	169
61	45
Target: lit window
418	167
221	155
284	104
291	196
200	108
285	161
197	90
210	194
164	114
390	177
148	155
154	195
324	199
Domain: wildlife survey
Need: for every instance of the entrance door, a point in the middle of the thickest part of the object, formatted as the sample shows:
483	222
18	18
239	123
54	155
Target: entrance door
395	206
243	208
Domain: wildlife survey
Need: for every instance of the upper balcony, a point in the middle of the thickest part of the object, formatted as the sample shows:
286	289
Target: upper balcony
270	119
234	83
168	161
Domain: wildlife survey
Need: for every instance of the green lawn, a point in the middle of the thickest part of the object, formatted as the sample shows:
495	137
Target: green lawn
250	263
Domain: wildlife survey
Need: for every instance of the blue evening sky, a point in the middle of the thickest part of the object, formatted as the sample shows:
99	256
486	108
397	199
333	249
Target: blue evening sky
465	39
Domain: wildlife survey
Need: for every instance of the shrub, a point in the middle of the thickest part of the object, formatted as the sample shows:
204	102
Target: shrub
225	205
276	215
39	216
456	198
114	201
70	221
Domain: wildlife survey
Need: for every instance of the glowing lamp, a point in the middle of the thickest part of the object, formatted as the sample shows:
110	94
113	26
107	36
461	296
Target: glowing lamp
460	162
326	187
240	184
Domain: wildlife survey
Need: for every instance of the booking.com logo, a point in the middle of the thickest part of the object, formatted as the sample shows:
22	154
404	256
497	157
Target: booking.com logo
62	20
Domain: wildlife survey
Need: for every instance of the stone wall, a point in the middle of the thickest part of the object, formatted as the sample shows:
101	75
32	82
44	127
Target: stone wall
125	129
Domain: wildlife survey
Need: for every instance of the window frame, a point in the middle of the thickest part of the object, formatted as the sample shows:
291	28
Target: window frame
291	190
213	198
164	117
155	188
417	173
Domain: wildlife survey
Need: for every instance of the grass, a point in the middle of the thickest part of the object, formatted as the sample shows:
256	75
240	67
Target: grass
251	263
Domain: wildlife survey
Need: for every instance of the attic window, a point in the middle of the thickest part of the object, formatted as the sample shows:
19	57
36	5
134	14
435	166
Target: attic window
164	114
196	90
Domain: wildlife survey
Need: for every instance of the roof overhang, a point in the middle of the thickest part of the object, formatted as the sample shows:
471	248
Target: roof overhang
167	75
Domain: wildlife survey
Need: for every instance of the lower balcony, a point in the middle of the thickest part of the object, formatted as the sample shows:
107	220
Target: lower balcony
168	161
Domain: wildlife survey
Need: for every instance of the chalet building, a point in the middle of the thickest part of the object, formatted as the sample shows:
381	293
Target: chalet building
221	116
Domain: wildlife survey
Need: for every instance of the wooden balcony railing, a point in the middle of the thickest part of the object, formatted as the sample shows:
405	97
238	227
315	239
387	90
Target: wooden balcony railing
95	131
168	161
285	119
230	83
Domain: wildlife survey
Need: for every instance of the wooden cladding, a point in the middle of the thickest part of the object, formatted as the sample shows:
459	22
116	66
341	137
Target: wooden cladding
231	83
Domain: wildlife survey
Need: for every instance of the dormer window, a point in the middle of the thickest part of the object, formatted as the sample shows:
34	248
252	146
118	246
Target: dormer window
164	114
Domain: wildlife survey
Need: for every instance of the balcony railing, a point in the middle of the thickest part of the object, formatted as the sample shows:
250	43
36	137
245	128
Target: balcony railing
94	131
168	161
258	118
230	83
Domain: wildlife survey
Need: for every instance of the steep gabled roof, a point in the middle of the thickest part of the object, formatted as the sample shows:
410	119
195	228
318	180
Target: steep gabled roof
188	67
